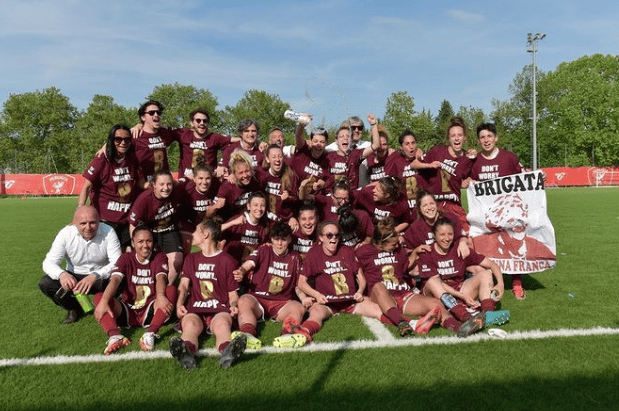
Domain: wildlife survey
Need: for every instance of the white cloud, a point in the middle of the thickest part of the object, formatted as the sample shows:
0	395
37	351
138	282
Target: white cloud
465	16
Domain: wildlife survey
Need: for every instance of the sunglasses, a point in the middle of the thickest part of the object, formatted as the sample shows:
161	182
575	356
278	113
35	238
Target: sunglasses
120	140
201	120
359	128
332	235
153	112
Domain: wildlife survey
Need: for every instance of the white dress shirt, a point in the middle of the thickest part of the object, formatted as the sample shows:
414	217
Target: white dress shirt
96	256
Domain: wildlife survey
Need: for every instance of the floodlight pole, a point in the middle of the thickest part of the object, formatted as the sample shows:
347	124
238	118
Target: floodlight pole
532	48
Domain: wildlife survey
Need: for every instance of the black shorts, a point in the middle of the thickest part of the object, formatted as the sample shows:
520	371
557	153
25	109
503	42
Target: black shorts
122	231
168	242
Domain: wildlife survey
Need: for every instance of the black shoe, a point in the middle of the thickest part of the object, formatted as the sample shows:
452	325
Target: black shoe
181	353
72	316
233	352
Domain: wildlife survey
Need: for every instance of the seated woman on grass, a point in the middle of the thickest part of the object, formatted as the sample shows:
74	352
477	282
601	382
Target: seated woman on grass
146	300
208	280
339	283
273	289
445	273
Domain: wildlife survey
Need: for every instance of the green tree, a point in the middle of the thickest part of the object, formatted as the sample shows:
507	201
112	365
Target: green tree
93	126
441	122
513	116
400	115
267	109
38	125
581	120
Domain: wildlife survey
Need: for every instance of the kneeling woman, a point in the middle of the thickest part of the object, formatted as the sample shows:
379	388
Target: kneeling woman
384	264
445	273
334	269
147	300
208	280
272	288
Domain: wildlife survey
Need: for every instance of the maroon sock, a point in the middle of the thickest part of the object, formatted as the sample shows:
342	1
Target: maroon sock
460	312
191	346
516	280
223	346
394	315
385	320
488	304
451	324
248	328
109	325
312	327
160	316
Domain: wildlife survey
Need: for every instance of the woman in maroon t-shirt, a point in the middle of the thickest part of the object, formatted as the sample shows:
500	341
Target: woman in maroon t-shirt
207	300
113	182
445	275
386	266
273	271
383	199
235	191
339	283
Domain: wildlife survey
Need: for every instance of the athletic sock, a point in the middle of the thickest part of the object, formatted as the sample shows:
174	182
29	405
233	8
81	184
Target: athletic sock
451	324
488	304
190	346
223	346
385	320
460	312
248	328
312	327
516	280
394	315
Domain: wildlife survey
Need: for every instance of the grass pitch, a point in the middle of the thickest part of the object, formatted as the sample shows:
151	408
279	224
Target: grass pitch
555	373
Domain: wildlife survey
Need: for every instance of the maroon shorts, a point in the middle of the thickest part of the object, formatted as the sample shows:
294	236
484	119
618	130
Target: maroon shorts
347	307
270	308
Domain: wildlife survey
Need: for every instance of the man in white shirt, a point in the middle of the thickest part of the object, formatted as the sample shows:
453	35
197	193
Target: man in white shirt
90	250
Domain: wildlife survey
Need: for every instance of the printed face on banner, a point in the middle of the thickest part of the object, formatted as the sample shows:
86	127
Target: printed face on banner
509	223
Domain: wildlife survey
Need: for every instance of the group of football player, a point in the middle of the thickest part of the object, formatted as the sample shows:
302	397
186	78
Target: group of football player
293	233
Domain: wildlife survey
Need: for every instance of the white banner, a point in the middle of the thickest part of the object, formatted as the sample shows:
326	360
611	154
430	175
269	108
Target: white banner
509	223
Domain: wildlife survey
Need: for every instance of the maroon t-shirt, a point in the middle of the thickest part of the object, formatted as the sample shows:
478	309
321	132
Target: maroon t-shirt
376	167
387	267
275	277
151	150
302	243
194	150
446	183
254	153
197	201
397	165
243	239
305	165
115	186
211	279
399	210
505	163
140	278
278	209
161	215
343	166
450	267
236	197
335	276
420	232
364	229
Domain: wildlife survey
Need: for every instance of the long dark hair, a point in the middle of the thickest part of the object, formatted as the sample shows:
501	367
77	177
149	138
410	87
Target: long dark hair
110	149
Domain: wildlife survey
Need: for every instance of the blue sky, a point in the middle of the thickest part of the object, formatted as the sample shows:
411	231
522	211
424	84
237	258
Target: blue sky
332	58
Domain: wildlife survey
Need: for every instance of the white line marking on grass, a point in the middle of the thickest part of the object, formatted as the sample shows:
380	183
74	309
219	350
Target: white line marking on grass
317	347
378	329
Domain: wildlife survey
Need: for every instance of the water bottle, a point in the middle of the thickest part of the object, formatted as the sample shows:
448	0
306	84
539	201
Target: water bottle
85	302
296	117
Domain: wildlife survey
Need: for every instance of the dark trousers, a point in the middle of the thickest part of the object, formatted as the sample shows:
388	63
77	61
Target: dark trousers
51	288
